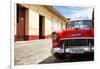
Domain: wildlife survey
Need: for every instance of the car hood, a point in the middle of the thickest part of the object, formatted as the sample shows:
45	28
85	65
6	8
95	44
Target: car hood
72	33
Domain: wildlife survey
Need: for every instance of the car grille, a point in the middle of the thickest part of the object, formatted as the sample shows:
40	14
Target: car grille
76	42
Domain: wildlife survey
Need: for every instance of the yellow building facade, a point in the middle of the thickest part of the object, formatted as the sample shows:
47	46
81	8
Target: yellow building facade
36	21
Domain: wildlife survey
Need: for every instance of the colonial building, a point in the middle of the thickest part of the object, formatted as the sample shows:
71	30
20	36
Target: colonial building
36	21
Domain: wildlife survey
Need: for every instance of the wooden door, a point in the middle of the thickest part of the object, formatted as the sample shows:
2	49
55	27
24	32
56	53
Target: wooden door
41	27
20	23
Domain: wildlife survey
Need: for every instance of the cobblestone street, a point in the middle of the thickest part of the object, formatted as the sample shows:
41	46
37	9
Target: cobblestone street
31	52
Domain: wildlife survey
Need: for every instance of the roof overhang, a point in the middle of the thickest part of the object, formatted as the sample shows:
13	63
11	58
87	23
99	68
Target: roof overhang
58	13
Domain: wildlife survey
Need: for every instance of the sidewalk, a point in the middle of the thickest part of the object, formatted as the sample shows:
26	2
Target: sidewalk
32	52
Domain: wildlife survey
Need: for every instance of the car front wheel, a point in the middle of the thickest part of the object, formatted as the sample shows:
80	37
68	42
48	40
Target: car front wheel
59	55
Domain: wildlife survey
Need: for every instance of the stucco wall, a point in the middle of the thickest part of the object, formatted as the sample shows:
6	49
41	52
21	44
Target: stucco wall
33	23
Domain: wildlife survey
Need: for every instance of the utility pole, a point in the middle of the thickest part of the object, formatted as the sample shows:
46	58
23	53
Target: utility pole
93	17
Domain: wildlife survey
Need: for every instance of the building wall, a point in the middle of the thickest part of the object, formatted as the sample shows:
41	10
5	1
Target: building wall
52	21
33	24
15	18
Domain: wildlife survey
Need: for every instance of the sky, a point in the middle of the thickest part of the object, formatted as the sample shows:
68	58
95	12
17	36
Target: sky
75	13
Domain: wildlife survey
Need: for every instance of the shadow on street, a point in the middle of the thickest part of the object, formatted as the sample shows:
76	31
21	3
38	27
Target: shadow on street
72	58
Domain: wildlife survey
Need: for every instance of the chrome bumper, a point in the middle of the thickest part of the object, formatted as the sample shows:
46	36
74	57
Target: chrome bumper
57	50
67	50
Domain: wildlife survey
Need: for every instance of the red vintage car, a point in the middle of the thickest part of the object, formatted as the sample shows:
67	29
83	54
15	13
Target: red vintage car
78	38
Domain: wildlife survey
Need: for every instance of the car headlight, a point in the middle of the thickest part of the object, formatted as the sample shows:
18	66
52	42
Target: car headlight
54	36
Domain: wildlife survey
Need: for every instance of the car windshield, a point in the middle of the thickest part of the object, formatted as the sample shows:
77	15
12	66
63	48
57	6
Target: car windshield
79	24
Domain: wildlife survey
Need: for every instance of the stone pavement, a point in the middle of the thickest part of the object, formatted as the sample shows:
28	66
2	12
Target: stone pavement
31	52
